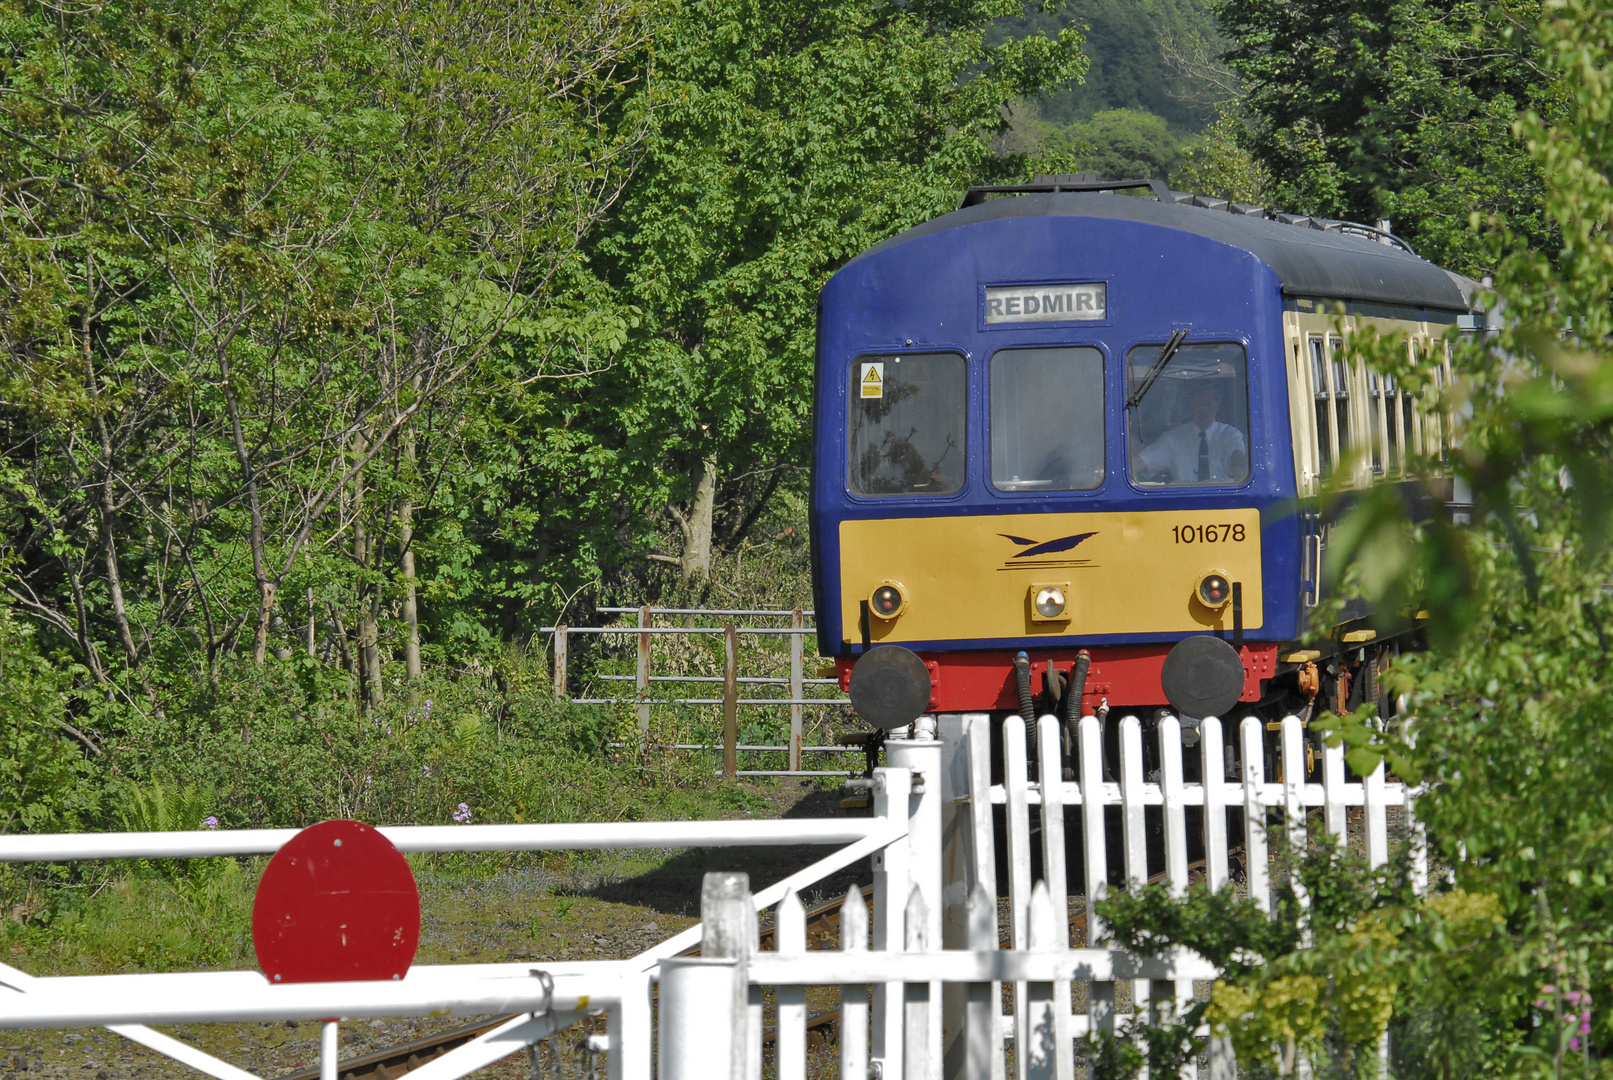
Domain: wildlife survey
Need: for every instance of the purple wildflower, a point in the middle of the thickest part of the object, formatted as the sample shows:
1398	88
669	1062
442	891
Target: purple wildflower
1584	1029
209	822
1549	988
1573	1044
462	815
426	770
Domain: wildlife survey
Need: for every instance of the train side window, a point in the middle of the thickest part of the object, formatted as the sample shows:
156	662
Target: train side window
907	422
1047	419
1392	434
1191	423
1341	397
1438	413
1376	424
1410	428
1326	443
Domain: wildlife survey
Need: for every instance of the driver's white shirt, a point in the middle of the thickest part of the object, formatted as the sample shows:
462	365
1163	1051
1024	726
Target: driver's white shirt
1177	452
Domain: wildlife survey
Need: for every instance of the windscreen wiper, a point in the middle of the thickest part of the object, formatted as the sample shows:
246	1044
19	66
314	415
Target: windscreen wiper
1165	354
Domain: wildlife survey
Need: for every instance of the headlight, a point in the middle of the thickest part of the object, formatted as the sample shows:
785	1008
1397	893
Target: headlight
1214	591
886	601
1049	601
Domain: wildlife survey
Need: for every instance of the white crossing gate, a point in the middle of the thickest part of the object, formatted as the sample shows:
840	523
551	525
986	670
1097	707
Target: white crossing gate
919	977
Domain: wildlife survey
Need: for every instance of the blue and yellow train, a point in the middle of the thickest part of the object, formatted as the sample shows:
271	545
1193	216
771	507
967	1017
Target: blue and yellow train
1060	433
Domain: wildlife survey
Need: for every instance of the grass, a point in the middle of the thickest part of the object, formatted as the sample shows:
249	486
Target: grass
274	745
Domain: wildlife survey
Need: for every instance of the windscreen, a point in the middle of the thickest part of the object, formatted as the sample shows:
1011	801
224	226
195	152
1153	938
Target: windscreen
908	417
1047	419
1191	424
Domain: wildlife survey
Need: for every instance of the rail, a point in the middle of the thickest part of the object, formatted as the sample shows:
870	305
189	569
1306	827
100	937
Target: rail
642	680
919	974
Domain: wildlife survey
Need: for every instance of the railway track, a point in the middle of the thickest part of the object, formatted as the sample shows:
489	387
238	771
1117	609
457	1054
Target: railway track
822	926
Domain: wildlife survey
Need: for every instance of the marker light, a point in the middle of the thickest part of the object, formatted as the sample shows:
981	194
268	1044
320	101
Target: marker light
1214	591
1049	601
886	601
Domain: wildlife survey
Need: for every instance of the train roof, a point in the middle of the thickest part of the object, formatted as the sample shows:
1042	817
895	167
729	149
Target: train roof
1316	257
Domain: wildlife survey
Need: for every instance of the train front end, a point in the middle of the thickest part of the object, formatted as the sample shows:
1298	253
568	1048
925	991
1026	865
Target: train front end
1052	436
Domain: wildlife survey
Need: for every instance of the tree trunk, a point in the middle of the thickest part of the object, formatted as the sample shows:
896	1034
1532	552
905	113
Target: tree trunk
370	633
282	649
114	580
696	561
369	665
107	515
249	480
411	608
339	632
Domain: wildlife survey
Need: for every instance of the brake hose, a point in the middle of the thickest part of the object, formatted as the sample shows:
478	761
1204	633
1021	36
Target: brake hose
1022	683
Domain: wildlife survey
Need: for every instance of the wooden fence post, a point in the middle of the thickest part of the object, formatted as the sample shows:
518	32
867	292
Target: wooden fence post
643	675
560	663
730	702
797	689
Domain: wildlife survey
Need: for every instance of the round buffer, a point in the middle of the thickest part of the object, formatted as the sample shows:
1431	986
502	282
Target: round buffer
337	903
890	687
1202	676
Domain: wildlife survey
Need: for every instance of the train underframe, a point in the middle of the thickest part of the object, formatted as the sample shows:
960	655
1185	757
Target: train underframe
1279	680
1337	678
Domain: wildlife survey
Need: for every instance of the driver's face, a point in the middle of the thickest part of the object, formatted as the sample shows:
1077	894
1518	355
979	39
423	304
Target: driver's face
1203	405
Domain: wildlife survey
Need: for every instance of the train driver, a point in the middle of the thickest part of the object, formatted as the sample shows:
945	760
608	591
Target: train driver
1201	450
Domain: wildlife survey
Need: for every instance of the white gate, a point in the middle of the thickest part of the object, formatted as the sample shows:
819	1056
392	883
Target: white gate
921	993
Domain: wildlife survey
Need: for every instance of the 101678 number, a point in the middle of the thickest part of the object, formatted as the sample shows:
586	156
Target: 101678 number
1208	534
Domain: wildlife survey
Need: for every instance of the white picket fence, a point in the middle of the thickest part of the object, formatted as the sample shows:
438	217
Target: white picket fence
919	977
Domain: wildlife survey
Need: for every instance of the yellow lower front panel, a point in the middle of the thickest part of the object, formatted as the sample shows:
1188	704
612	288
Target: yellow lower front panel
1123	573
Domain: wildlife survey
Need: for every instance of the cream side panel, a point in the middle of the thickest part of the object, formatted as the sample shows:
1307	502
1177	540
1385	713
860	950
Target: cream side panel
1301	413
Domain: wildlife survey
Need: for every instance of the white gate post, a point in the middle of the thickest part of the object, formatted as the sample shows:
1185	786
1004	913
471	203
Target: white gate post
1257	869
853	998
965	803
705	1000
1216	870
698	1033
892	869
924	756
1016	800
1095	853
1134	847
329	1047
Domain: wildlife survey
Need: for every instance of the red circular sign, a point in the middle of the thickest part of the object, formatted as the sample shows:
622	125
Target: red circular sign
338	903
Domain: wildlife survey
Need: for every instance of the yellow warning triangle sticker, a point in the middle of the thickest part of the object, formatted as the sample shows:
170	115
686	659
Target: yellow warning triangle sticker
873	374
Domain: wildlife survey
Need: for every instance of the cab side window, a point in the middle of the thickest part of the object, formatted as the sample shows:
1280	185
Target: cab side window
1047	419
1190	421
907	421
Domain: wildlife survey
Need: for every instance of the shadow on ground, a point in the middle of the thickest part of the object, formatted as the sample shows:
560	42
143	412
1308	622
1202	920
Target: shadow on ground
674	887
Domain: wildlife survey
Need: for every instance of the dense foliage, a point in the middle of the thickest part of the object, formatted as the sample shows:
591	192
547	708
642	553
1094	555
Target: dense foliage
1396	109
788	138
336	332
356	339
1505	720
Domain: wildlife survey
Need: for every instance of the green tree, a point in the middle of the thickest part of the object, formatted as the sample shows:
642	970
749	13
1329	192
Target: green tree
1397	109
1127	46
788	137
247	252
42	755
1506	719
